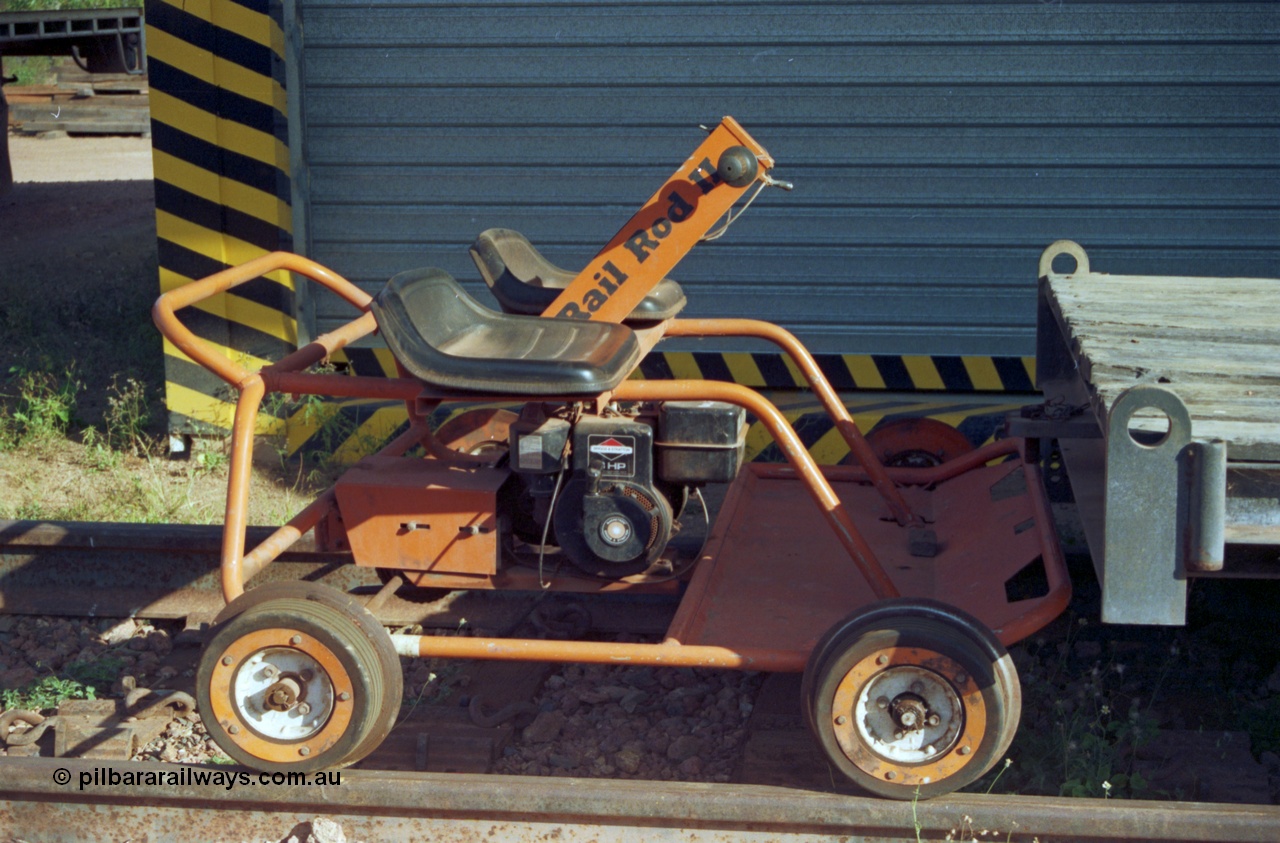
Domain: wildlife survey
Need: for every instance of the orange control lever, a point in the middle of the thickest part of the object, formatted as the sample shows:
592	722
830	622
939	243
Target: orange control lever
662	232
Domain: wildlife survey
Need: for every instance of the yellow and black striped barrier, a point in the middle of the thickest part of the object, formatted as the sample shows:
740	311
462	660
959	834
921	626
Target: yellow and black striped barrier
219	133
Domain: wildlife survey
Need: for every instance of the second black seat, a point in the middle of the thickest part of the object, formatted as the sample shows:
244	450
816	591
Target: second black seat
523	281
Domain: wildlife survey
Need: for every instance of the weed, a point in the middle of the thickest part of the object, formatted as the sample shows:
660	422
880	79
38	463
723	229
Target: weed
43	405
127	415
103	670
99	455
45	693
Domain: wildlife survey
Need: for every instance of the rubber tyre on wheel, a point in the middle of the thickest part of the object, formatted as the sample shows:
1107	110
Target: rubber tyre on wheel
334	667
917	657
353	608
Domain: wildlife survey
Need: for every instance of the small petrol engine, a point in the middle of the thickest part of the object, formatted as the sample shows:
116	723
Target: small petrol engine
590	484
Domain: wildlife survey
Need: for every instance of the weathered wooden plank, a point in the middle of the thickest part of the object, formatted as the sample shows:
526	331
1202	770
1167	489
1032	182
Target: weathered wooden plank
1213	341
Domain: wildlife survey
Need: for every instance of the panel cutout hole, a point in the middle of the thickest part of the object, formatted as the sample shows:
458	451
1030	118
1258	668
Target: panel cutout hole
1031	583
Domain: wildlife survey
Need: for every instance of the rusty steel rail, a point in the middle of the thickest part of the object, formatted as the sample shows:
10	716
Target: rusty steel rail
170	571
372	805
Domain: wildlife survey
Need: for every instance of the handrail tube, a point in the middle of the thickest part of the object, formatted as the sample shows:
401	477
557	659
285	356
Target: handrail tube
322	347
831	402
241	461
669	653
163	313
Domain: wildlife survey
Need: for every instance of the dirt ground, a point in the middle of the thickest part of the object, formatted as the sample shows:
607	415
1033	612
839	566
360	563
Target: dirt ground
78	276
78	258
79	159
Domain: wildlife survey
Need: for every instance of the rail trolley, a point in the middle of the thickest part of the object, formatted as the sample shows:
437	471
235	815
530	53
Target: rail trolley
884	582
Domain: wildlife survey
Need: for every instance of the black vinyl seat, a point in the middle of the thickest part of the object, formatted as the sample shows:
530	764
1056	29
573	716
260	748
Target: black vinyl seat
523	281
448	339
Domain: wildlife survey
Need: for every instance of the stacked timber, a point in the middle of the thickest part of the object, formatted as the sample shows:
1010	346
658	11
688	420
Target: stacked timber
82	103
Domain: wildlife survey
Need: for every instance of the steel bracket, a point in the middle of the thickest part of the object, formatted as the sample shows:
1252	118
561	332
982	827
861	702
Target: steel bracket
1165	497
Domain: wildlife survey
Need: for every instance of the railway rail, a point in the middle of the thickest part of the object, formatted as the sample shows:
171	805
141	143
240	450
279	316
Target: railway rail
170	571
372	805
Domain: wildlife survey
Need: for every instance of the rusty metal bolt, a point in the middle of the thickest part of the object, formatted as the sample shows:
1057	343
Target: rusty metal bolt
295	640
882	660
933	720
965	750
841	720
304	751
304	709
882	703
962	678
270	671
344	696
891	775
227	660
917	687
233	729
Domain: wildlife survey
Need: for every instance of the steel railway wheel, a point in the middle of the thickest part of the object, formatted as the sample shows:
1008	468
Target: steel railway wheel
911	698
294	680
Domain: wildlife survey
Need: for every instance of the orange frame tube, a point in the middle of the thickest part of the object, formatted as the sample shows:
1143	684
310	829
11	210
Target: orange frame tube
831	402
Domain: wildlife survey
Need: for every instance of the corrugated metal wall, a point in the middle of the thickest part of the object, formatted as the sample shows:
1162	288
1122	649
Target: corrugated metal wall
936	148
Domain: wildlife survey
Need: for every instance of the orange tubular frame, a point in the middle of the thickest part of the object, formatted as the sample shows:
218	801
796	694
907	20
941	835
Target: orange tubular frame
287	376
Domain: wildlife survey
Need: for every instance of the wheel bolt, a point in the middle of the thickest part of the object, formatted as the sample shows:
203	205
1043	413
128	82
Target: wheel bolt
227	660
897	736
891	775
270	671
295	641
307	675
233	730
882	660
917	687
933	720
962	678
306	750
841	720
882	703
304	709
965	750
344	696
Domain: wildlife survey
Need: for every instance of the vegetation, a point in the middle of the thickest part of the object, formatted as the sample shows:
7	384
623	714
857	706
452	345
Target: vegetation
46	693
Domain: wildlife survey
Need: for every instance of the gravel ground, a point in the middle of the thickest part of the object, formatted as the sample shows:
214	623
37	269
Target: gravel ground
636	723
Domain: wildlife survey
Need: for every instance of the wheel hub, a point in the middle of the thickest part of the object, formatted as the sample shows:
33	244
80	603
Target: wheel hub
908	714
282	694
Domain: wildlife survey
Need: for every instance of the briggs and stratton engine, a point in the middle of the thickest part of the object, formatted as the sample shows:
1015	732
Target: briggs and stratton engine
594	477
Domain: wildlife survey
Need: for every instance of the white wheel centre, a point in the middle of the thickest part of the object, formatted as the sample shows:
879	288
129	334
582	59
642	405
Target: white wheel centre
283	694
908	715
